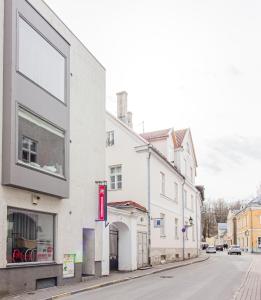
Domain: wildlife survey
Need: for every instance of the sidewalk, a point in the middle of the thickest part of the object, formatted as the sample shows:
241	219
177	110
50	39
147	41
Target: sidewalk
117	277
250	288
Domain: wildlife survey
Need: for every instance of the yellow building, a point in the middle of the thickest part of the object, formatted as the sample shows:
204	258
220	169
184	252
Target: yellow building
232	227
249	226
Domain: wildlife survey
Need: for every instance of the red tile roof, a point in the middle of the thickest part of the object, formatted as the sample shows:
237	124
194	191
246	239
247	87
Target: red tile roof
124	204
156	135
178	137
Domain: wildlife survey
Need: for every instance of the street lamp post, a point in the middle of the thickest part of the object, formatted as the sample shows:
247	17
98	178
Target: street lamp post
184	229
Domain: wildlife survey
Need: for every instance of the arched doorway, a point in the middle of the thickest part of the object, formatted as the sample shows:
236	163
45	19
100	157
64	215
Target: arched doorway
120	247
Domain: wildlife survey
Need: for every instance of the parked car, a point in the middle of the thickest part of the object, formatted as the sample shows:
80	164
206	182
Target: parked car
211	249
219	247
234	249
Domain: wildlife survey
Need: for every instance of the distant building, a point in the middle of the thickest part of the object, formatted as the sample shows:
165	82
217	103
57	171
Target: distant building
248	226
222	233
232	227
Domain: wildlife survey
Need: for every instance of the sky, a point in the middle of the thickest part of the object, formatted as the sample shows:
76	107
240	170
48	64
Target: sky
184	63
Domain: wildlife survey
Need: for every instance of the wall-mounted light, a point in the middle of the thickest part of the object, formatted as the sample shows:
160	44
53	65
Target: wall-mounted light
35	199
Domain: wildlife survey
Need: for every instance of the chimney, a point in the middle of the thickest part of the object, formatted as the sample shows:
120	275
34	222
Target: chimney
129	119
122	107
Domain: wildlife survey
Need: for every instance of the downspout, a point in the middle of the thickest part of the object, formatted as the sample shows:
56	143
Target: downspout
252	242
183	222
197	224
149	205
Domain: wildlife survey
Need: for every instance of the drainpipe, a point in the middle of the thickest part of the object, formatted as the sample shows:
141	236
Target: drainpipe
149	206
197	223
183	222
252	242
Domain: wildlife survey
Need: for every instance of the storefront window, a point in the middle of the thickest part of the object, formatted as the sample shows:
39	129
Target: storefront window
30	236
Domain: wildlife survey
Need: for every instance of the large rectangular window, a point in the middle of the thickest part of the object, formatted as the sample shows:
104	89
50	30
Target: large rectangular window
30	236
109	138
40	144
162	183
162	225
176	228
115	178
40	61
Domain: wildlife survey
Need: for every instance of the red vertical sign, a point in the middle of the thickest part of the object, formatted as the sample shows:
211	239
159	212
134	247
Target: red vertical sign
101	202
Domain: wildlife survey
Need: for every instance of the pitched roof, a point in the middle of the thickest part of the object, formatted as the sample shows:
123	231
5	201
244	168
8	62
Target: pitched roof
156	135
126	204
178	137
255	202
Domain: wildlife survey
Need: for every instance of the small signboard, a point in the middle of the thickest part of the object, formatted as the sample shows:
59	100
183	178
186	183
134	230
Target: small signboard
68	265
157	223
102	213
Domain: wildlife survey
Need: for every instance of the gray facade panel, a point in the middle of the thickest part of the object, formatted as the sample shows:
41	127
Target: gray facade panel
20	279
20	90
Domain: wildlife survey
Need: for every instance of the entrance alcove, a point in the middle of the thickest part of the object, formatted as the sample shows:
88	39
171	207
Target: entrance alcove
121	247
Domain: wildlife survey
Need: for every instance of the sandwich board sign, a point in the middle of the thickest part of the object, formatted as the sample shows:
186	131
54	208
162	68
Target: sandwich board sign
68	265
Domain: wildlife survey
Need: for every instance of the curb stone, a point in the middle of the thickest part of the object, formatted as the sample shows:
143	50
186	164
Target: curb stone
243	280
96	286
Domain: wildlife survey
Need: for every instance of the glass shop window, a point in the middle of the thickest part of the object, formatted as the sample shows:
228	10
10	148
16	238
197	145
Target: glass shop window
40	144
30	236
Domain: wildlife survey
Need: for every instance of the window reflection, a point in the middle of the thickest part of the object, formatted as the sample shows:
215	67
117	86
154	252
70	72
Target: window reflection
30	236
40	144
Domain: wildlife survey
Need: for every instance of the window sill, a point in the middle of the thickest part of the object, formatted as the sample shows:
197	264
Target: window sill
114	190
21	163
168	198
30	264
163	236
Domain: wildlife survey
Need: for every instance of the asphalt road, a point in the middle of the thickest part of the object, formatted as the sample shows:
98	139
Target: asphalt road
217	278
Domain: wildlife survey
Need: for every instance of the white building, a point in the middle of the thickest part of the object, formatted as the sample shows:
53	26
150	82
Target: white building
150	177
52	91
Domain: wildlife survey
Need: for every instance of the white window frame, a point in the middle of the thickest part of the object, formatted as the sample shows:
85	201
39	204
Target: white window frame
258	242
162	225
192	202
176	228
188	148
115	176
28	149
191	174
110	138
162	183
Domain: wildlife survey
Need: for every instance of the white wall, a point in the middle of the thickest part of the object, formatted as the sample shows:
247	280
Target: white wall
87	155
165	204
134	165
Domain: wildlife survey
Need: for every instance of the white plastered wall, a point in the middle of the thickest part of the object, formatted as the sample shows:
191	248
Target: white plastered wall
87	155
